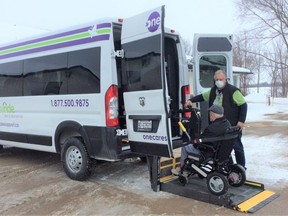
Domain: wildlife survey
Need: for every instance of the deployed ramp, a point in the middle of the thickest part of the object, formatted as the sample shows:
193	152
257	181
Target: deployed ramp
248	198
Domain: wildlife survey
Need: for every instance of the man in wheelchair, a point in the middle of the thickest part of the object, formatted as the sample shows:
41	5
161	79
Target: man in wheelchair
209	156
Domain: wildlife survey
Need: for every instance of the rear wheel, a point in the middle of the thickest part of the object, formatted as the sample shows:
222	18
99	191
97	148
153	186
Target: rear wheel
217	183
237	175
75	159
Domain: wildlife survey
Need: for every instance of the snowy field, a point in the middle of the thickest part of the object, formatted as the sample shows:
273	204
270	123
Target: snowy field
266	156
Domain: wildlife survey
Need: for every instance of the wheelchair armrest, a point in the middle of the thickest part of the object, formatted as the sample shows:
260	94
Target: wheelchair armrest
231	133
200	144
233	129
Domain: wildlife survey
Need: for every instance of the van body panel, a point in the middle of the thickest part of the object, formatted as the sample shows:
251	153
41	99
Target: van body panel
64	86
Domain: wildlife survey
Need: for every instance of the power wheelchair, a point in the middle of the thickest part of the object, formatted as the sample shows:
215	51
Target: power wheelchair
213	160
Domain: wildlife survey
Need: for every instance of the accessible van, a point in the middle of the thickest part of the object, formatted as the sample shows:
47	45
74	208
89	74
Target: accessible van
105	90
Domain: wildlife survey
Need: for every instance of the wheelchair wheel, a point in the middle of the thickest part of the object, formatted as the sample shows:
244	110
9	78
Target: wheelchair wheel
237	175
217	183
183	180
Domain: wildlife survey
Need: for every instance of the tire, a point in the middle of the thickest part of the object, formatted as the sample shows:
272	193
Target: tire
75	159
217	183
183	180
237	175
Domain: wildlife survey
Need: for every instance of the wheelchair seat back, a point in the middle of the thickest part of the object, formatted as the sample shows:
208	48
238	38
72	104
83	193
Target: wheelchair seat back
223	145
224	149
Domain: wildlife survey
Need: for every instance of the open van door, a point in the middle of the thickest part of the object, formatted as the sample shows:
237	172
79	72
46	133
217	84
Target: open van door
211	52
146	96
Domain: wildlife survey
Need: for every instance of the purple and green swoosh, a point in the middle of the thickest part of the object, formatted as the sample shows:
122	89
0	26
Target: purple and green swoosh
99	32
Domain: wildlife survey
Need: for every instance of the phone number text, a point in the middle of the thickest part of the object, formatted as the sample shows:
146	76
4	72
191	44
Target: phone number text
70	103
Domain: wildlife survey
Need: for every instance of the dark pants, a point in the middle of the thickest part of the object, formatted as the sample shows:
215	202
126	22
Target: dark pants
239	151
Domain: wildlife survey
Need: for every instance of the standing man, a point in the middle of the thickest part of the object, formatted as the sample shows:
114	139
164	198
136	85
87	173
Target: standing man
234	104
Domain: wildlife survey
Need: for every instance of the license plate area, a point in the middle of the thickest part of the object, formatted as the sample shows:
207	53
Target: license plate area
145	124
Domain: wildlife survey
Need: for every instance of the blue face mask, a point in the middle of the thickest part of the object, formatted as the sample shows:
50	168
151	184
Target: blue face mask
220	84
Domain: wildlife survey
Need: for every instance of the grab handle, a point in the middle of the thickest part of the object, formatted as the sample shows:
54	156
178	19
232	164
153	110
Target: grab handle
184	130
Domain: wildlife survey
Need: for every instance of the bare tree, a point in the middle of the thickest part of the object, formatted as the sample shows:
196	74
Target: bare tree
243	58
188	47
268	21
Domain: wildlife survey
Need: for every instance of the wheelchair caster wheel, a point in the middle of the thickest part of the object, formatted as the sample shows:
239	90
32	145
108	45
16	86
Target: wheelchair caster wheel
183	180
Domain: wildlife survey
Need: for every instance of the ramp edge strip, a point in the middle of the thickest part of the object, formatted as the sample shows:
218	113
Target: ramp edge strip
256	202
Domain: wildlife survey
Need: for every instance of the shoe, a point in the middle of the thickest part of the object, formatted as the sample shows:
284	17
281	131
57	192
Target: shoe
210	162
185	174
176	171
207	168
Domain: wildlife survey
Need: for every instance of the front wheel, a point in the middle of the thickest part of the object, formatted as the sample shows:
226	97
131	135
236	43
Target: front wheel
217	183
75	159
183	180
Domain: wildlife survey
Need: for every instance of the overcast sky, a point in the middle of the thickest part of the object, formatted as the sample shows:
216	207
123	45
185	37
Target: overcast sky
19	18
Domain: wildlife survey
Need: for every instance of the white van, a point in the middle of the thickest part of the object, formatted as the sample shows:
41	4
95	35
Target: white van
102	90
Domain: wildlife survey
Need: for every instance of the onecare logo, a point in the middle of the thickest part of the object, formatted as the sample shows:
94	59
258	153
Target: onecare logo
153	21
7	108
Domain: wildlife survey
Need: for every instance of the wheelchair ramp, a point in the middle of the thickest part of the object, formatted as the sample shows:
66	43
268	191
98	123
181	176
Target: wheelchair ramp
248	198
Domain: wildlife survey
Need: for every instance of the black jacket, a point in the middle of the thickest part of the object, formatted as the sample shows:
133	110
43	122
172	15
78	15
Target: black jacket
232	112
216	128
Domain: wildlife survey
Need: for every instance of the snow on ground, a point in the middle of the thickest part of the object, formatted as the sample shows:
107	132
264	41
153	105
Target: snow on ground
266	156
258	107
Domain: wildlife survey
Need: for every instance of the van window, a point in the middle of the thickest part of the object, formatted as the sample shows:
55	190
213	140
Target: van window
43	74
83	75
11	79
142	62
209	64
76	72
214	44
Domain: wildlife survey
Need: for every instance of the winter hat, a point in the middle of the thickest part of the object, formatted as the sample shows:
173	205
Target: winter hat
216	109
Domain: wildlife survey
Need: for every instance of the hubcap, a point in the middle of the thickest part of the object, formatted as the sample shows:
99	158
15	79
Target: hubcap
74	159
216	184
235	178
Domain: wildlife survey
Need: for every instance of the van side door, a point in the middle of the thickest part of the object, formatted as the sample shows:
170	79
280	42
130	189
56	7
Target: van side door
211	52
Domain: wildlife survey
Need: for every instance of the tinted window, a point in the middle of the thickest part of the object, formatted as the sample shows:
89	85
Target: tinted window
83	75
67	73
143	64
11	79
44	75
209	64
211	44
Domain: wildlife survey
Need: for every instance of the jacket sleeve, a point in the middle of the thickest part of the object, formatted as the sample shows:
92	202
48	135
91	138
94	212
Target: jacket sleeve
243	112
197	98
